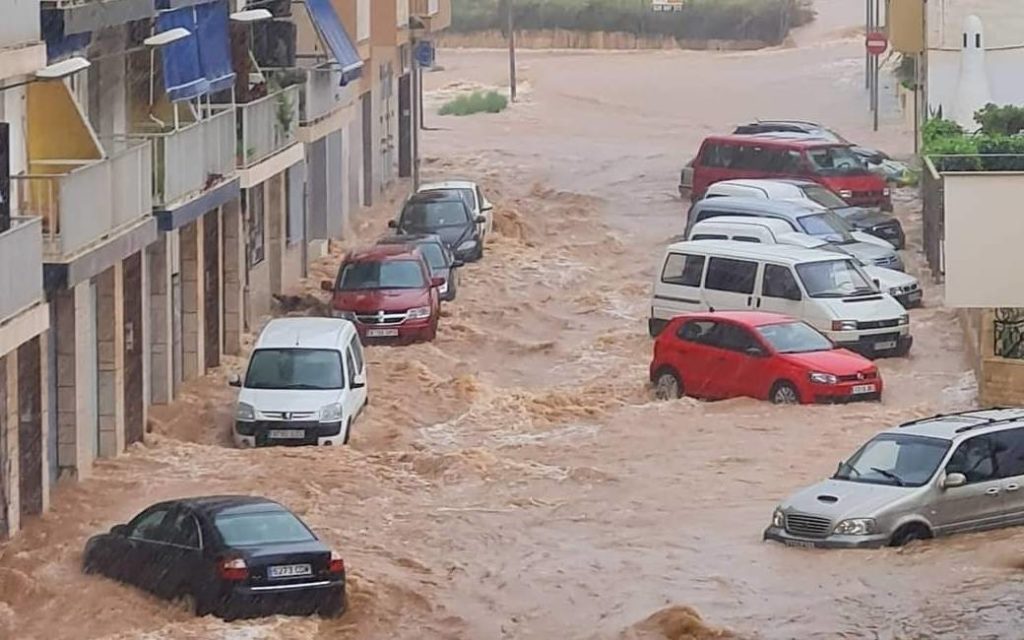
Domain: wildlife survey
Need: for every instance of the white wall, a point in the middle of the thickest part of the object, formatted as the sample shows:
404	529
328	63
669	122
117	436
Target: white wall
1004	22
12	111
1004	77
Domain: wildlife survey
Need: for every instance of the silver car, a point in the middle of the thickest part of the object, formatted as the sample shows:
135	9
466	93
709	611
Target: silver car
930	477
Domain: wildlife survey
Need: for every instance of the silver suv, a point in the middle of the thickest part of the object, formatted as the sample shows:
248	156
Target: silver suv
925	478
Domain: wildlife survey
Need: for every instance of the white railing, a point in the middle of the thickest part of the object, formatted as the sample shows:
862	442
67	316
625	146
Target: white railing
21	266
324	94
89	203
268	125
188	160
363	20
19	23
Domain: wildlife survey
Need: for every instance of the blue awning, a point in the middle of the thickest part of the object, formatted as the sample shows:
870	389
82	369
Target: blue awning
334	36
183	74
59	44
215	45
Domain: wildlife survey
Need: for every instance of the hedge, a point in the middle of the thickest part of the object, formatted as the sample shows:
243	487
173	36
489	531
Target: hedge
951	149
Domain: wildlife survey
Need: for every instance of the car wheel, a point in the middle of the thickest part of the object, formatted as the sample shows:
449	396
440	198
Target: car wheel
667	385
348	431
333	607
909	533
89	565
186	601
784	393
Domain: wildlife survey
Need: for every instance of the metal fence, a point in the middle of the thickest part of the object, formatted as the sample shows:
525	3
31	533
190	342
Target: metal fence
21	265
268	125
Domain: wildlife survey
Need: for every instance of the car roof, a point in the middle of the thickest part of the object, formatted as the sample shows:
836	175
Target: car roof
304	333
211	505
412	238
434	196
776	252
766	185
772	224
792	139
382	252
447	184
962	425
746	318
789	209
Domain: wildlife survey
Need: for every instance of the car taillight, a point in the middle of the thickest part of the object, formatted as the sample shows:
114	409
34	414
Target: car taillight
337	564
233	569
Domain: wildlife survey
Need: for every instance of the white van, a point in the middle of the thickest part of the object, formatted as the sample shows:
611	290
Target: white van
829	291
305	384
904	287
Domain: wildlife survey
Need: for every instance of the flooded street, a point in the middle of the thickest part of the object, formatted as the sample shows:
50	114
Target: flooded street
515	479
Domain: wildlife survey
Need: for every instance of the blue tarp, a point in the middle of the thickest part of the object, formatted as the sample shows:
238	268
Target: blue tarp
60	45
183	75
215	45
333	34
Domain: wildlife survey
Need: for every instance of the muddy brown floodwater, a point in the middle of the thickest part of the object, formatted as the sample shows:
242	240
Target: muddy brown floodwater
515	479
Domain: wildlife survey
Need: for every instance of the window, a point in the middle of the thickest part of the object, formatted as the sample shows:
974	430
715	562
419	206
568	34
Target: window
357	353
295	369
794	337
707	214
254	218
894	459
751	159
350	364
683	269
751	239
148	525
718	155
734	338
1009	447
834	279
184	530
789	162
736	276
709	236
824	197
269	527
434	255
826	224
839	160
699	331
976	459
392	274
780	283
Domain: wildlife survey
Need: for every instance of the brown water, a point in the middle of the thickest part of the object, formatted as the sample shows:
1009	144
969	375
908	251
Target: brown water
514	479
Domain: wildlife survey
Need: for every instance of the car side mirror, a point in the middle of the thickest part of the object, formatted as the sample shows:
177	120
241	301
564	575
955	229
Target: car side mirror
234	380
755	352
436	282
119	530
326	285
358	382
392	224
878	283
457	263
954	480
480	219
487	207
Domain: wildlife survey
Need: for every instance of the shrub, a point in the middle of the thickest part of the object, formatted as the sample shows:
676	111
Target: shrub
476	102
1006	120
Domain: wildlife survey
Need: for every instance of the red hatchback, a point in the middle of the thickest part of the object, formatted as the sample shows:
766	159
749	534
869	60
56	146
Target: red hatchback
760	355
388	293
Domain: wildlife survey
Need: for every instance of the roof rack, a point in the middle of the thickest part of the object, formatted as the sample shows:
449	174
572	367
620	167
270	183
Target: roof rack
982	422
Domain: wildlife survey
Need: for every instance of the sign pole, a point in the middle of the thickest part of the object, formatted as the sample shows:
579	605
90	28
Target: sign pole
417	107
511	50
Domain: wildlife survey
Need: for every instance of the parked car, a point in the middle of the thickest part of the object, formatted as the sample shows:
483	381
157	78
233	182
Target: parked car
305	384
789	155
881	225
389	294
439	258
803	216
828	291
232	556
904	287
475	200
766	356
929	477
447	215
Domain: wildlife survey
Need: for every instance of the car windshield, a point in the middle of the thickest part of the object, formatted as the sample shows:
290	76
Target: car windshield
389	274
827	226
834	279
295	369
794	337
468	195
434	255
435	214
268	527
835	161
895	458
824	197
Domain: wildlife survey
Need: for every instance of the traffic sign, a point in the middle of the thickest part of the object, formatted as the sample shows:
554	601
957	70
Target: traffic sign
876	43
424	53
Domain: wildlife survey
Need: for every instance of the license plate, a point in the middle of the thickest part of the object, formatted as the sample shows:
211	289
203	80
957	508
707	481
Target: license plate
290	571
799	543
863	388
888	344
286	433
914	296
381	333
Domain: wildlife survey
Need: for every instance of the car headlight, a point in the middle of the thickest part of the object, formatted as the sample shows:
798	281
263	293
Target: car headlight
823	378
245	412
855	527
467	245
904	319
886	191
331	413
419	312
344	315
845	193
778	519
895	291
844	325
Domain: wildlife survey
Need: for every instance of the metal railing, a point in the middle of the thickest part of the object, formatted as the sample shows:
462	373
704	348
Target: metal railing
21	265
86	204
20	24
268	125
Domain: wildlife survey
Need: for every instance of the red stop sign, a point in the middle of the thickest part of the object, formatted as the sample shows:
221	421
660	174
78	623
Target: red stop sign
876	43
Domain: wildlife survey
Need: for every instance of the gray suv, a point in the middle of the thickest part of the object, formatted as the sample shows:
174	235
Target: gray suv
930	477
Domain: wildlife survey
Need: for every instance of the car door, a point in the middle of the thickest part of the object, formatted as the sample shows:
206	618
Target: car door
486	210
179	560
780	292
356	394
677	290
693	354
145	537
1009	446
729	284
978	504
736	370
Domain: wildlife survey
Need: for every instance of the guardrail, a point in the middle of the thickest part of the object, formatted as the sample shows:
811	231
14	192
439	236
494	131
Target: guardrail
268	125
21	265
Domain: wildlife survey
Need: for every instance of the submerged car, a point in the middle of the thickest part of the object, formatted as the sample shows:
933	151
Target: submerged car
767	356
929	477
231	556
439	258
474	197
448	216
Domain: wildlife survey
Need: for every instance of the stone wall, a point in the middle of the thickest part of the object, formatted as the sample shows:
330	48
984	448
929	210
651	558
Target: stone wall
1000	380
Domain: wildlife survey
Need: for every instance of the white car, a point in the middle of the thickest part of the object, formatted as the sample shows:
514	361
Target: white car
474	198
305	384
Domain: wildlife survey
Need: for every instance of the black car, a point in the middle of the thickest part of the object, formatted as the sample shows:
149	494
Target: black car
439	258
447	216
232	556
877	223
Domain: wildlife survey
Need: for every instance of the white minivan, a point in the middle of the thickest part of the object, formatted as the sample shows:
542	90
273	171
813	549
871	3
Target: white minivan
305	384
829	291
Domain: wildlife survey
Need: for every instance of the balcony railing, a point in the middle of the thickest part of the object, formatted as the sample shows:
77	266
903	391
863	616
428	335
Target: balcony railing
20	24
320	93
21	266
89	203
268	125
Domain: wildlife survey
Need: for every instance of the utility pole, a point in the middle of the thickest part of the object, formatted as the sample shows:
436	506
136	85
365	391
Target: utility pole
415	117
511	49
877	62
867	56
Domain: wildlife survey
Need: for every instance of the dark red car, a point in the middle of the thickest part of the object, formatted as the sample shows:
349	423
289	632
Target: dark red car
759	355
388	293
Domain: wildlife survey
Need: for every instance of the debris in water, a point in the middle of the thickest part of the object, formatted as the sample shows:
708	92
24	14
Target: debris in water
675	623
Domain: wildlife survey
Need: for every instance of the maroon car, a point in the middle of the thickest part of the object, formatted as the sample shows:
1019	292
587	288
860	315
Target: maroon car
388	293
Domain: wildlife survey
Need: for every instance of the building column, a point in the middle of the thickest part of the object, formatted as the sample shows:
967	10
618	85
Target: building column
275	213
10	518
233	256
110	342
161	367
192	290
74	330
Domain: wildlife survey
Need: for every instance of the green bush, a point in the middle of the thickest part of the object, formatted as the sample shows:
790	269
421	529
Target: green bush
950	149
476	102
1006	120
765	20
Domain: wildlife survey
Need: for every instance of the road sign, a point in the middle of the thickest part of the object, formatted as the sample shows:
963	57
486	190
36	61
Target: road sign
876	43
667	5
425	53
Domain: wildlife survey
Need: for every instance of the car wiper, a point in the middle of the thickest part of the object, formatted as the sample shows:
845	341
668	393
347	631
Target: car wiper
302	385
890	475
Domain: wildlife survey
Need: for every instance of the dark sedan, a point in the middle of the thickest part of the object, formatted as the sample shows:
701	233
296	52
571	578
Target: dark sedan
232	556
439	257
447	216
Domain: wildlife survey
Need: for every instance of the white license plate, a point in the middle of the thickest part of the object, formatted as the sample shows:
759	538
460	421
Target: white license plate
799	543
286	434
882	346
381	333
915	295
863	388
290	571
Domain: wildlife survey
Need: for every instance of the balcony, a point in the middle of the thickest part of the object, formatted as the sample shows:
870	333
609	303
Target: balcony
83	203
21	266
20	24
269	125
435	15
319	91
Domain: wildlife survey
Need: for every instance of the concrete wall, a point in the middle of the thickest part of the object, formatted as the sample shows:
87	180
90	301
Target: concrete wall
233	257
1004	22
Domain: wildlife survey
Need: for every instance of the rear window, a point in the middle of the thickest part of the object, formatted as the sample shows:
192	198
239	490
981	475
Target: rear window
267	527
389	274
434	255
683	269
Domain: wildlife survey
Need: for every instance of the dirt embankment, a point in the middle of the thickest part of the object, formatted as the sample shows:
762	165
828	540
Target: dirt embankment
567	39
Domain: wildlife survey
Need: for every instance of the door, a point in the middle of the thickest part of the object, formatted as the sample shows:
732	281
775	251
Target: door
678	288
211	293
181	555
692	355
780	292
729	284
979	503
1009	446
142	548
732	369
359	367
405	126
352	398
133	378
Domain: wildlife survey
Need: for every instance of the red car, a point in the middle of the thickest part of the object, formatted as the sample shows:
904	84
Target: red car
388	293
760	355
